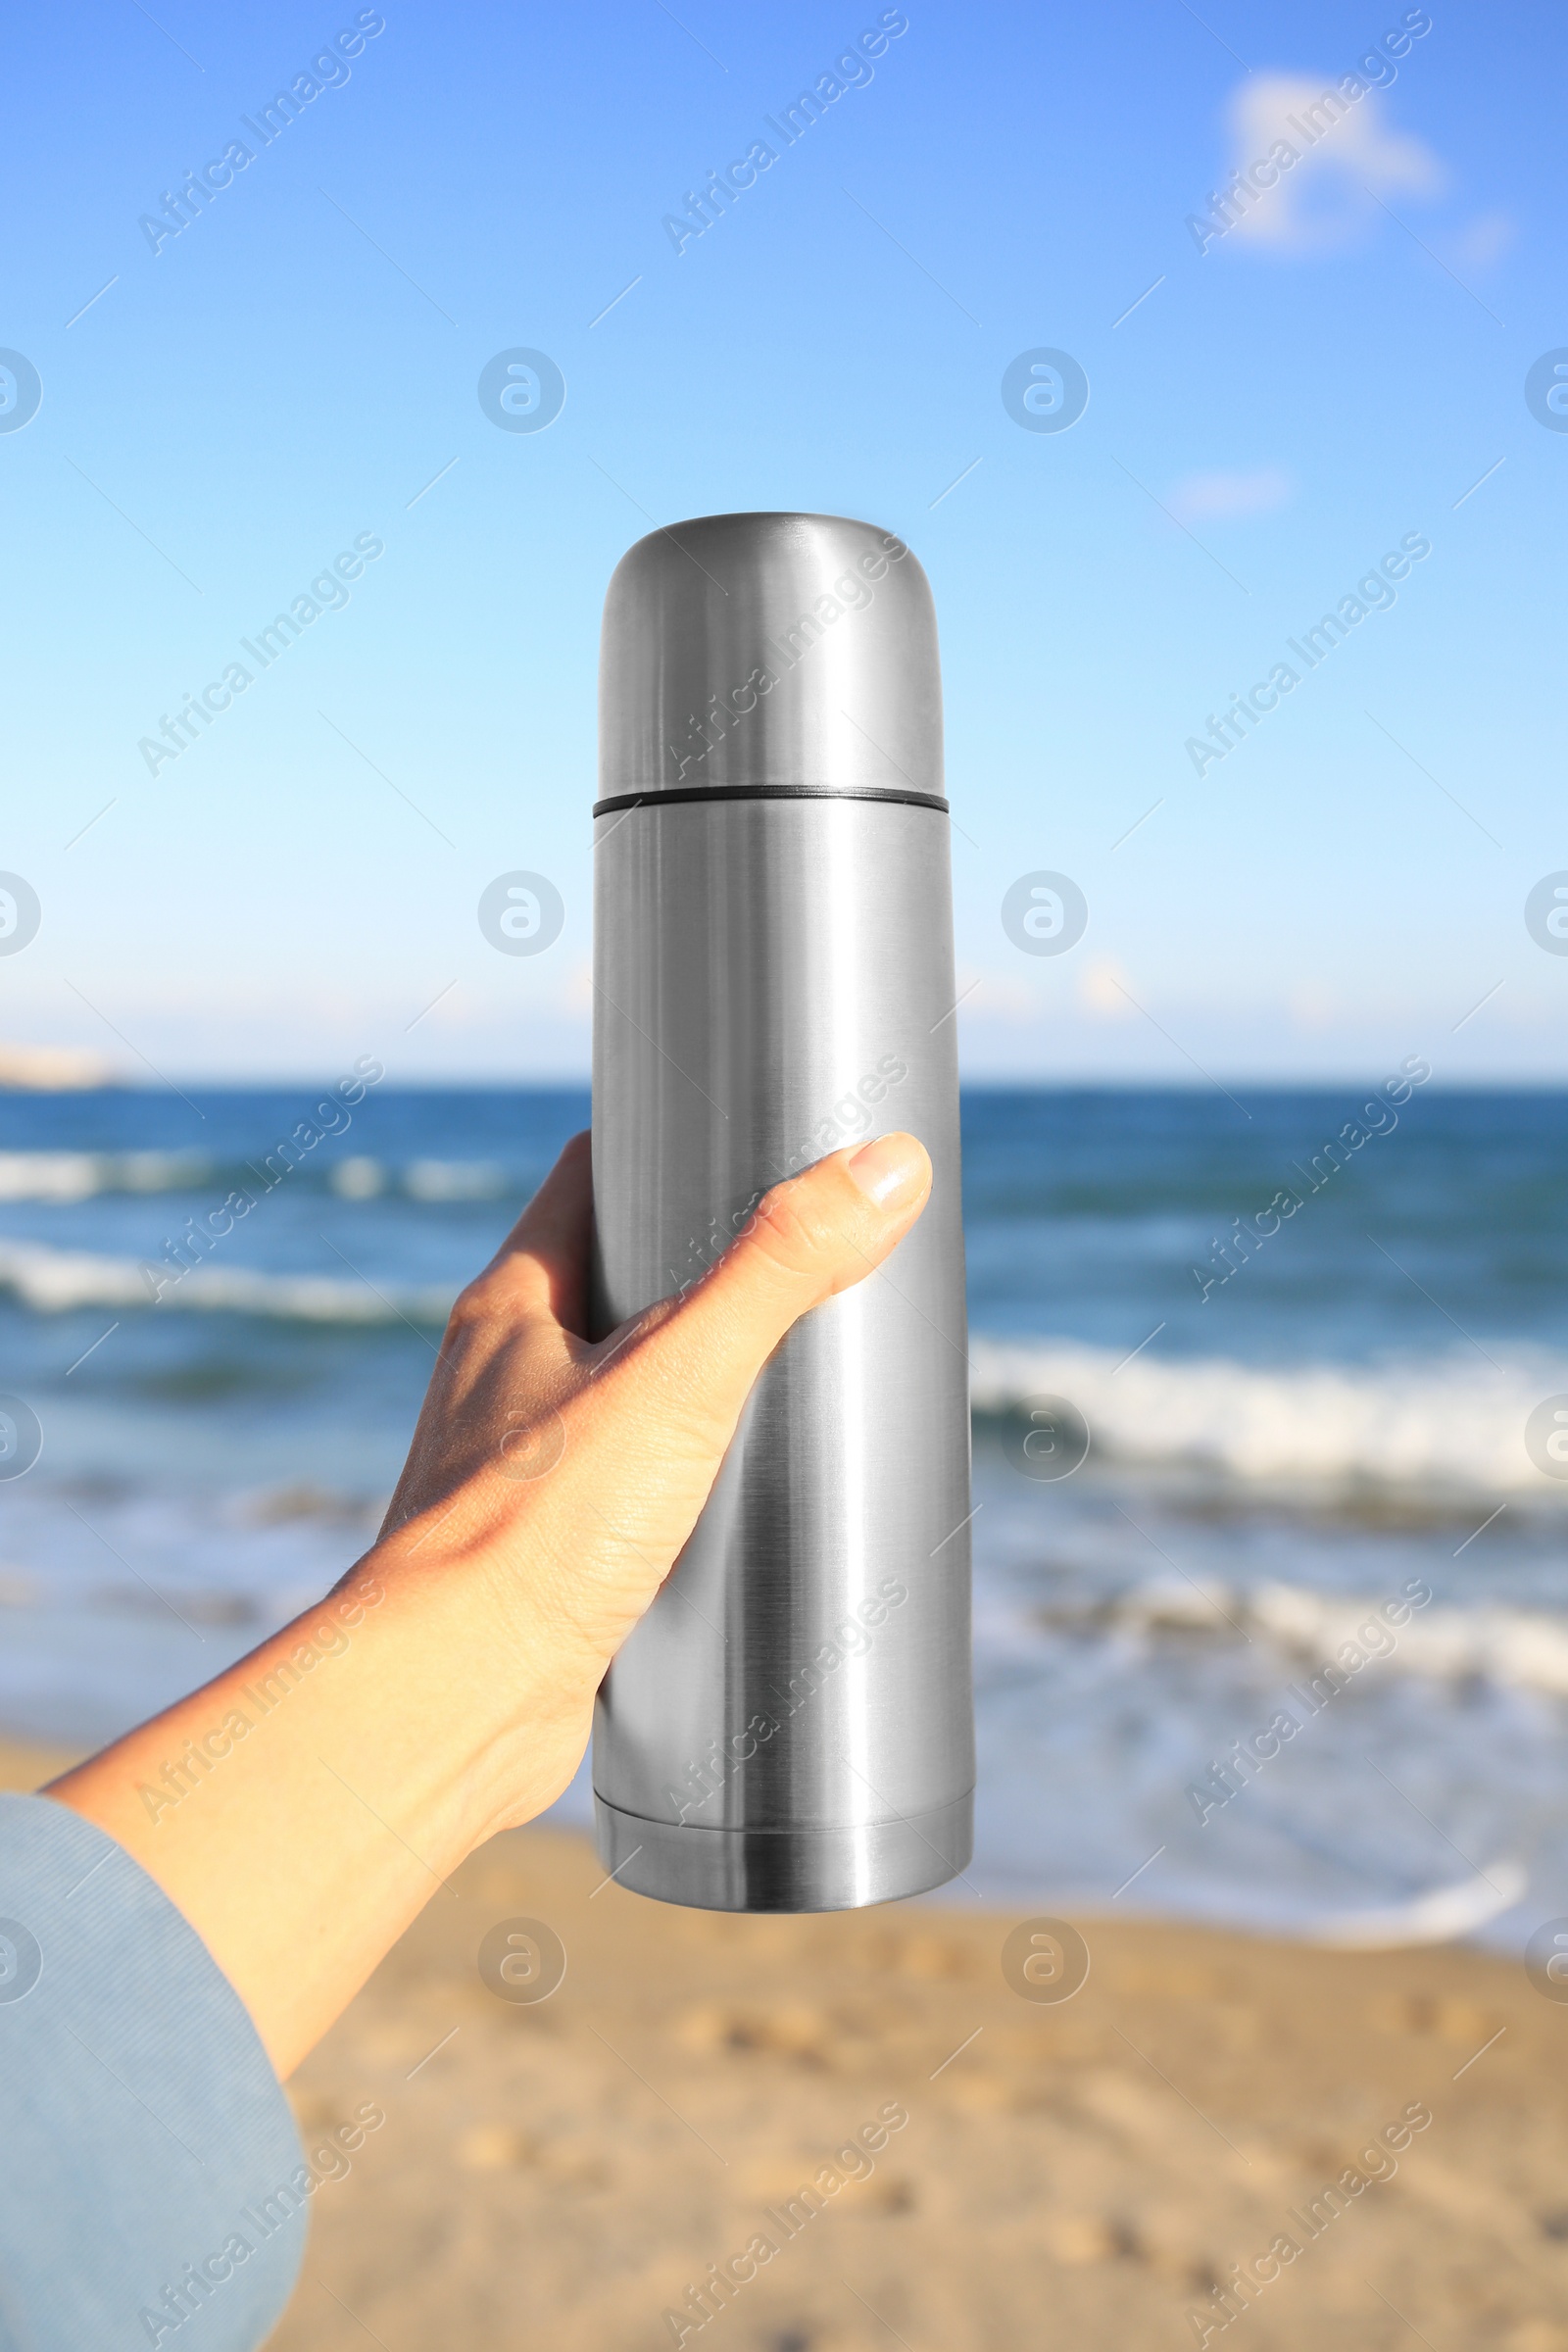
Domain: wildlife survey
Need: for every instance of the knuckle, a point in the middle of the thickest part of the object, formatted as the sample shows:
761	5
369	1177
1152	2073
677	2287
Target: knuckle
469	1307
500	1294
791	1229
476	1306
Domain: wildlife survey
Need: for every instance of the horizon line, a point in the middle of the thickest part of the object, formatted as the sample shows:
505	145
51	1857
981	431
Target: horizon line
994	1082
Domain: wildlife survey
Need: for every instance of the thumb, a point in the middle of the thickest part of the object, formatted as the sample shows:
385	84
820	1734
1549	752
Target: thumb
808	1239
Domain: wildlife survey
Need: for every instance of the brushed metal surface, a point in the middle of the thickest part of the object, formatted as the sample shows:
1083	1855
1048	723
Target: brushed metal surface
838	1868
769	649
790	1725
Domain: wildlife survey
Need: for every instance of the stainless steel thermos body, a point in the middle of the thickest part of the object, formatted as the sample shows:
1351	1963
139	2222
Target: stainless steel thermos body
790	1725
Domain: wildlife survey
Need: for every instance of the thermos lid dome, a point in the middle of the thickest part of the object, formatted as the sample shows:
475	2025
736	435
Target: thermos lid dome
747	652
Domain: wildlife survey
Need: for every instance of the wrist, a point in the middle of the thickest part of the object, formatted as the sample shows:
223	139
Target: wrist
490	1700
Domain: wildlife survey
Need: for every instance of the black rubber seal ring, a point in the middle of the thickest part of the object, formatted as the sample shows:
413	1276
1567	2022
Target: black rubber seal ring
769	791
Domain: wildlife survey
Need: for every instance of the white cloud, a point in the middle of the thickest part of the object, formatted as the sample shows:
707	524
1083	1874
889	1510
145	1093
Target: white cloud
1486	240
1102	989
1313	1007
1225	497
1346	159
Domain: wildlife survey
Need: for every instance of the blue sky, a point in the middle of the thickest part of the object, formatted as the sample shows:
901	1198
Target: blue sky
1268	417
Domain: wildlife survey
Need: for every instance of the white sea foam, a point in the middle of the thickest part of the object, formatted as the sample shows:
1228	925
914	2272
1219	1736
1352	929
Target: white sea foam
357	1179
454	1180
1522	1648
65	1176
1525	1650
55	1281
1442	1915
1453	1420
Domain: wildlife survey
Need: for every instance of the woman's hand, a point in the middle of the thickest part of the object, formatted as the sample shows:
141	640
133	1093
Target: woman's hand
304	1805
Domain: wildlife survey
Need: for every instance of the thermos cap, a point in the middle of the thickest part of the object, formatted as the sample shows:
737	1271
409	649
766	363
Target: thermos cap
770	653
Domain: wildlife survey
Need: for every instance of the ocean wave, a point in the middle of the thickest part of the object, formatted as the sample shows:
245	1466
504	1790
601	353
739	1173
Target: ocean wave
66	1176
53	1282
454	1180
436	1180
63	1178
1443	1422
1442	1914
1523	1649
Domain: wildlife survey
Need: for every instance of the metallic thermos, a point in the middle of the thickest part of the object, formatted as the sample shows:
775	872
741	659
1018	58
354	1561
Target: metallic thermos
790	1725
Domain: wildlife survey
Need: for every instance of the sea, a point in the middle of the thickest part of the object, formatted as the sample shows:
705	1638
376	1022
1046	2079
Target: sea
1253	1371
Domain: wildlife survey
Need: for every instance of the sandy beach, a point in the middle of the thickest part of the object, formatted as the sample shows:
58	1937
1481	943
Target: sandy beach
1084	2173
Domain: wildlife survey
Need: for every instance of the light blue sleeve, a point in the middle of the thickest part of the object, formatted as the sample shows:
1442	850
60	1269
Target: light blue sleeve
152	2186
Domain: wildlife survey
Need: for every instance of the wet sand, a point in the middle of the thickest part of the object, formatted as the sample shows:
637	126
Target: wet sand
1082	2174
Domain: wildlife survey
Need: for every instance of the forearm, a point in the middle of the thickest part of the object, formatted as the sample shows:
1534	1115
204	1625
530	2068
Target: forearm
304	1806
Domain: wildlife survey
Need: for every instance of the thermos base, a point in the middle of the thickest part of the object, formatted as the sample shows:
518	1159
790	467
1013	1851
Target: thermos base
785	1869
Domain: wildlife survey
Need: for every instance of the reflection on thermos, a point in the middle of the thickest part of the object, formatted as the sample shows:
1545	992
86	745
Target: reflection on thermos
791	1727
